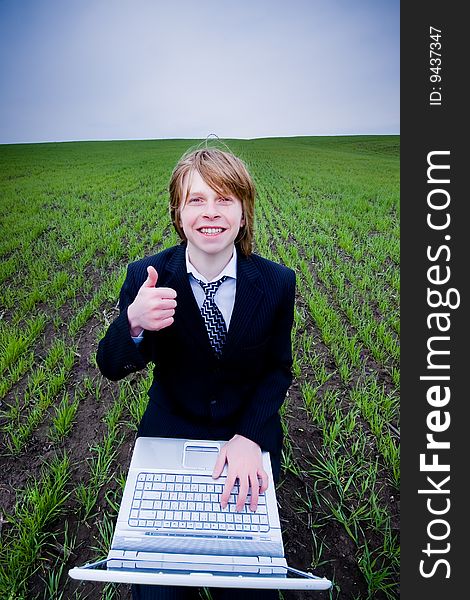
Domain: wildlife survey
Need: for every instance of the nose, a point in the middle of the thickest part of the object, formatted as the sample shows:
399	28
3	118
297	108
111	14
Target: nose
211	209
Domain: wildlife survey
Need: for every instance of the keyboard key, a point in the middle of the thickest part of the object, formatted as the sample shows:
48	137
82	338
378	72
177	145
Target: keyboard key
148	514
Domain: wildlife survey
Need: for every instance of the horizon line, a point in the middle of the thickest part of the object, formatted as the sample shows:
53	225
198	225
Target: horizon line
247	139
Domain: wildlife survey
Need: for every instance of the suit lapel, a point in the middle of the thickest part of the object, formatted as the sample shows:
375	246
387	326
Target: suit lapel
189	315
247	298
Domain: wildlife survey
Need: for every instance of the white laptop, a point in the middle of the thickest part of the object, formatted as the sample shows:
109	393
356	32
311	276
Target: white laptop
171	529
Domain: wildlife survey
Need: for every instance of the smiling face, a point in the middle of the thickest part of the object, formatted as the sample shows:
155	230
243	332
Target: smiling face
223	173
210	221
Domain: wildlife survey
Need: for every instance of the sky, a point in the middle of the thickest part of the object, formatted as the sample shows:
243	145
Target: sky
146	69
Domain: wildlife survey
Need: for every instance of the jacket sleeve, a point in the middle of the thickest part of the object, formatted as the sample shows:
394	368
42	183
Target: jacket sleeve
271	390
118	355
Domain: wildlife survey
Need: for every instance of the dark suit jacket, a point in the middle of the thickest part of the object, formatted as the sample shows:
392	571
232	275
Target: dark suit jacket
196	394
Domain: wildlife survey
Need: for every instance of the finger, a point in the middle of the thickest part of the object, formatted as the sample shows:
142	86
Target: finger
264	483
164	314
164	292
162	303
254	486
227	490
243	492
161	324
152	277
219	463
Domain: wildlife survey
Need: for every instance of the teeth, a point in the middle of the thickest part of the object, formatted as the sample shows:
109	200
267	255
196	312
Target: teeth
211	230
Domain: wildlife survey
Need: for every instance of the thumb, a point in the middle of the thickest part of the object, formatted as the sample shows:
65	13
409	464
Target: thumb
151	278
220	463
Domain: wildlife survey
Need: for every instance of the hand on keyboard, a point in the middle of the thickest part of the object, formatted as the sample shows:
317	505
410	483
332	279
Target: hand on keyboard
244	462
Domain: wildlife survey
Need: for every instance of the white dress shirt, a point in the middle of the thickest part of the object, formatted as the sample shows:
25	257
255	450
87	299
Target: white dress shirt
225	294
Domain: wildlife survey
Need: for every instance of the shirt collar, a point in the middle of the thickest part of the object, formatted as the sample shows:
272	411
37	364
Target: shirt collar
230	269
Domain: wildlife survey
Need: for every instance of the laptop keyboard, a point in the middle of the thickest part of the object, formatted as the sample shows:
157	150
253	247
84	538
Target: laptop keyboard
192	502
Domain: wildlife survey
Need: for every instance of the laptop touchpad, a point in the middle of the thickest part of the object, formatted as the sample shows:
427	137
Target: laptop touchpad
201	456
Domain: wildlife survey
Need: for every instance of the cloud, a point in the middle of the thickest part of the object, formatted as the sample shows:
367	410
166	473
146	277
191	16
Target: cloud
106	69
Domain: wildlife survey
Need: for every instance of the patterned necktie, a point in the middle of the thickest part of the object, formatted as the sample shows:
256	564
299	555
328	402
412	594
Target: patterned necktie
212	316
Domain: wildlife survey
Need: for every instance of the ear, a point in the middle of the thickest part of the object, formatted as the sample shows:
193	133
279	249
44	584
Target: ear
242	222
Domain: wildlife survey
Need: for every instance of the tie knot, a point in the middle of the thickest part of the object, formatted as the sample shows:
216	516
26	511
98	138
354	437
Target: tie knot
211	288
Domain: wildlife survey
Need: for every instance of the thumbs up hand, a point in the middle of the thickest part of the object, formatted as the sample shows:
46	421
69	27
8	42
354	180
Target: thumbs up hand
153	307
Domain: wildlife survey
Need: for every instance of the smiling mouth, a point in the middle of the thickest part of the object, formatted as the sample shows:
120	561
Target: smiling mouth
211	230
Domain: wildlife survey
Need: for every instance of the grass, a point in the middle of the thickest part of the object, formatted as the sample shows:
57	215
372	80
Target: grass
74	215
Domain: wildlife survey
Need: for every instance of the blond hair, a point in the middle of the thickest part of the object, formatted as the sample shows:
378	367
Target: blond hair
224	173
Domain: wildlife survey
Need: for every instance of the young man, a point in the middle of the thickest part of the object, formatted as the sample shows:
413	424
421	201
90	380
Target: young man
216	320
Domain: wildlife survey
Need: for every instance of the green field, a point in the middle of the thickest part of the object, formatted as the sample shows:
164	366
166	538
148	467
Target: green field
73	215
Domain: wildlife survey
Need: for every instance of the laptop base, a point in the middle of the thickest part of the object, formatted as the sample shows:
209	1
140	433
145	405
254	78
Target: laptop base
306	581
